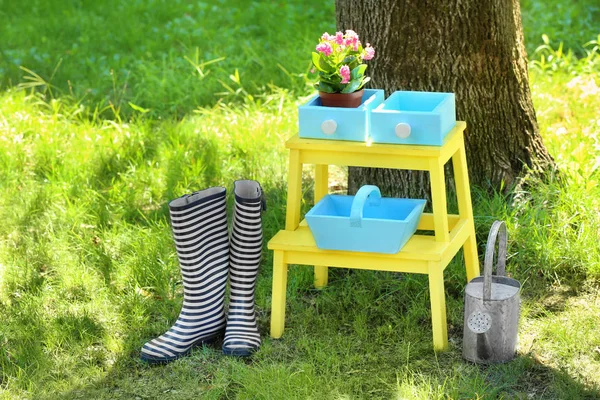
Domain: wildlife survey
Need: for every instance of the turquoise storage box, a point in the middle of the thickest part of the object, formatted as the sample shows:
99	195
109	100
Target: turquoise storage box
423	118
365	222
335	123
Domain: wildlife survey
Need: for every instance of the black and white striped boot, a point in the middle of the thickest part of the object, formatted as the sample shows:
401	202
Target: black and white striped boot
199	223
241	336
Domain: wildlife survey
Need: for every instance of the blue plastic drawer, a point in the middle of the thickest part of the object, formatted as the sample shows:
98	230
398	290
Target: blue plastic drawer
365	222
423	118
336	123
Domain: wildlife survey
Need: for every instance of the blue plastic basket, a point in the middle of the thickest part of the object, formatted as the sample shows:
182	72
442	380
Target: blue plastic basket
421	118
316	121
351	223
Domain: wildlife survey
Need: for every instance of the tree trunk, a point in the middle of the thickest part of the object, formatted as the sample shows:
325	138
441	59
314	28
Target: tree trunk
473	48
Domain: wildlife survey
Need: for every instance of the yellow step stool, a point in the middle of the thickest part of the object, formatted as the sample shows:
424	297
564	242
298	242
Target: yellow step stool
421	255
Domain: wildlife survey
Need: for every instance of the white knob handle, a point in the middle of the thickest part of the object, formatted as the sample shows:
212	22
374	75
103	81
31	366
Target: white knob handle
328	127
403	130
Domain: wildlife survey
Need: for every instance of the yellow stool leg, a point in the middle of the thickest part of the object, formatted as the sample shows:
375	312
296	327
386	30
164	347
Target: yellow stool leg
471	260
294	195
438	307
321	276
438	200
465	210
280	270
321	189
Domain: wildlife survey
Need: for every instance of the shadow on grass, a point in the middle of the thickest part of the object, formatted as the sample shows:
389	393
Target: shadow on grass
116	193
367	335
541	381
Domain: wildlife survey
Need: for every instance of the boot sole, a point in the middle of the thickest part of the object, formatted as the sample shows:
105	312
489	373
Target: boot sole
165	360
238	352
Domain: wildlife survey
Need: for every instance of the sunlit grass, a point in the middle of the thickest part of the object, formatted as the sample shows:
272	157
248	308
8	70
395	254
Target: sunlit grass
88	270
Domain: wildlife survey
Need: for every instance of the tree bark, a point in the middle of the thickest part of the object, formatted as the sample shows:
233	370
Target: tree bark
473	48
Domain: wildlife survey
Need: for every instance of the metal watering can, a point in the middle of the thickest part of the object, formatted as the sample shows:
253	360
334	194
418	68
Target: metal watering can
492	305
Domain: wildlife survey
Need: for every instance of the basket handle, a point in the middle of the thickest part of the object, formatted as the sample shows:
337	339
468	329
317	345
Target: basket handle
358	204
498	227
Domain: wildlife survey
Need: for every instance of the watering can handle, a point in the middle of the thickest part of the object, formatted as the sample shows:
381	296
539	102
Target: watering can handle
498	227
358	204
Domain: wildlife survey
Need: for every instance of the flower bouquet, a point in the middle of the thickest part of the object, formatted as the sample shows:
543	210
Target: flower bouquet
339	62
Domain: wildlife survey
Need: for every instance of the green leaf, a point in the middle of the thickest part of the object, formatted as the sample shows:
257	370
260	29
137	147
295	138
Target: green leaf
546	39
327	81
336	77
327	65
347	60
358	71
352	86
138	108
365	80
316	60
331	79
235	77
351	61
321	63
324	87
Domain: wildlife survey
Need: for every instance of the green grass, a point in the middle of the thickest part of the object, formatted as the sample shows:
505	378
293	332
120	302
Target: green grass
88	270
572	22
162	55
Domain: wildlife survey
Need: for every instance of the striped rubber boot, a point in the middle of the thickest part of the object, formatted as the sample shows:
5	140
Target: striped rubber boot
199	223
242	337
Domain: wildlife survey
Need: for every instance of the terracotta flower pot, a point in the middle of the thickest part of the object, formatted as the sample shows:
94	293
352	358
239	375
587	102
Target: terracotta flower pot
345	100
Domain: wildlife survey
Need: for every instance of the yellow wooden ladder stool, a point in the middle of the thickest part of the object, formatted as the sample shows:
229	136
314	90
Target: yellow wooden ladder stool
422	254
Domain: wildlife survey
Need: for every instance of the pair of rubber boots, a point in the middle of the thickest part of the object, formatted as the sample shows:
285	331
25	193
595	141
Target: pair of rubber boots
208	254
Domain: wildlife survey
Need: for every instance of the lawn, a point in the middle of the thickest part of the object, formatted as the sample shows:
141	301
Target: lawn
109	109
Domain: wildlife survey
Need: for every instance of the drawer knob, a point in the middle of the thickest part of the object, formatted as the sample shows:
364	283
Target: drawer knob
328	127
403	130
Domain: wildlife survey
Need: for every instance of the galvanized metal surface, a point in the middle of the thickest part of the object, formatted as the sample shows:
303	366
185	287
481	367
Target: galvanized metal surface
492	306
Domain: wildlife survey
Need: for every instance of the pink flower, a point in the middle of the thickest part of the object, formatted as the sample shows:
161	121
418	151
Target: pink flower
325	36
325	48
339	38
351	39
354	42
369	52
350	34
345	73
